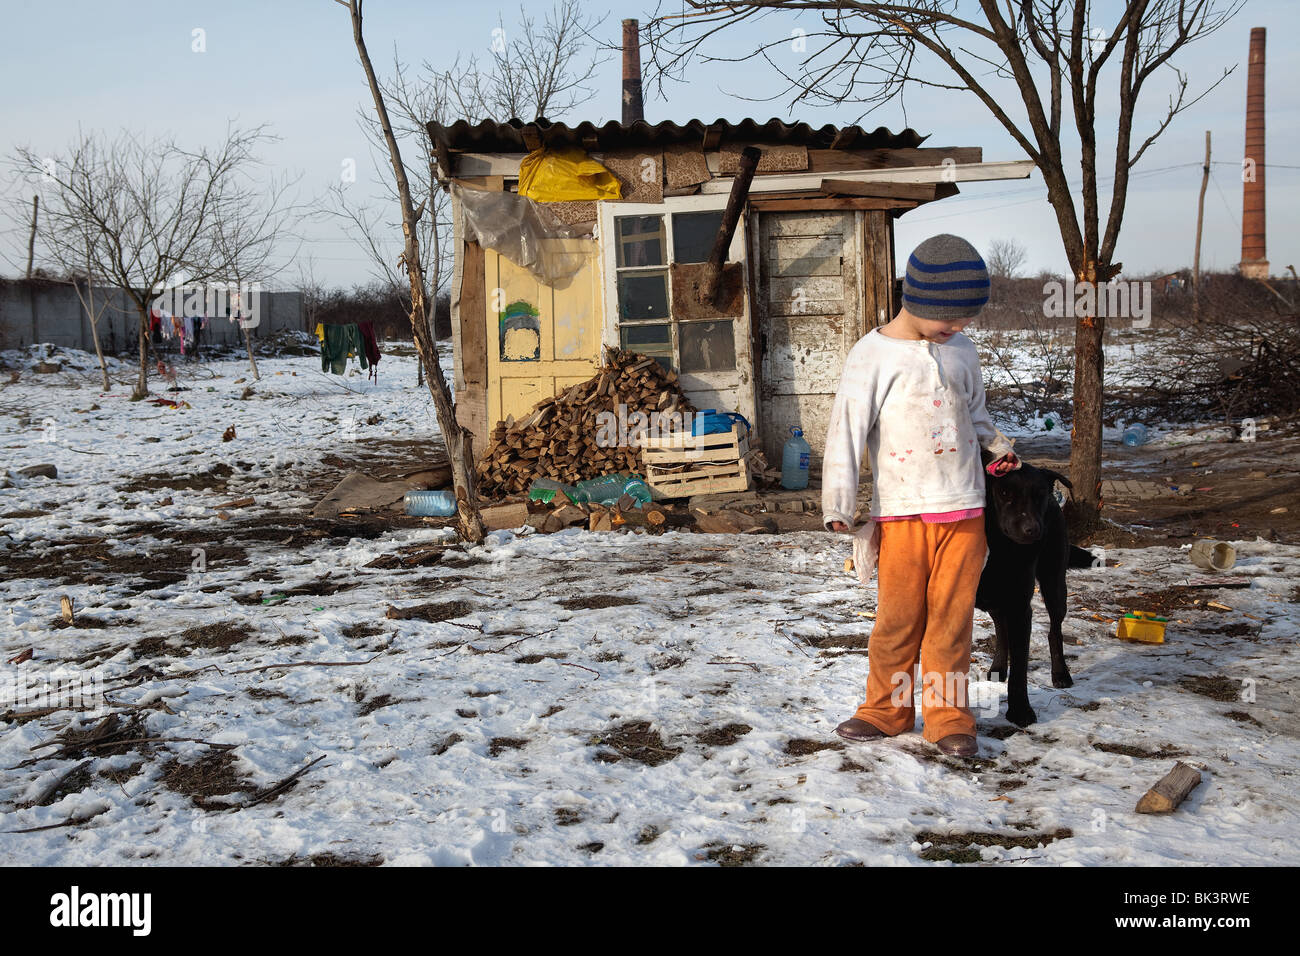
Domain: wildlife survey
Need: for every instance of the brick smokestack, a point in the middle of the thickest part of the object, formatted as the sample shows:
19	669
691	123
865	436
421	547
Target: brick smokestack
1254	262
632	108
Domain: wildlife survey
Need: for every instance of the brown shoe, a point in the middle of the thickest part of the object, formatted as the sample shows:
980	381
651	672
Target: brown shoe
855	729
958	745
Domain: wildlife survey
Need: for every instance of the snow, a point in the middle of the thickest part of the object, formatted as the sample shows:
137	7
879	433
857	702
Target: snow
487	751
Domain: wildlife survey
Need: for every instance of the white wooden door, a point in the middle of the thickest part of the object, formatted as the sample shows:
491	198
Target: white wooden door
810	316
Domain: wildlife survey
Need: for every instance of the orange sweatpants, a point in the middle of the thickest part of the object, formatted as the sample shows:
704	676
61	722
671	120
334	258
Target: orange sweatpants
927	576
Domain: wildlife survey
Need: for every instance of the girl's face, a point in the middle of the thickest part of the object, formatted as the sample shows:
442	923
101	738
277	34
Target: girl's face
940	330
932	330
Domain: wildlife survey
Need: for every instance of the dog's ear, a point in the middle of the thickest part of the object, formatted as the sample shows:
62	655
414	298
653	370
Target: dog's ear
1057	476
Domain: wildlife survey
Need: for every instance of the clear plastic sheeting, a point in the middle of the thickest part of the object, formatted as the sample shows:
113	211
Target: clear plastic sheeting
522	231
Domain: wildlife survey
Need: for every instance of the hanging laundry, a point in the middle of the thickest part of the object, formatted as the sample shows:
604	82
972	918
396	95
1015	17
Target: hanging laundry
371	345
341	342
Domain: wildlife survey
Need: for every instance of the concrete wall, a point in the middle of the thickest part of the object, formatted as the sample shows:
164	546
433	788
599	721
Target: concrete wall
31	313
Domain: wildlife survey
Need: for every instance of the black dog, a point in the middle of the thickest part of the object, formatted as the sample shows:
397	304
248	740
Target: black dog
1026	537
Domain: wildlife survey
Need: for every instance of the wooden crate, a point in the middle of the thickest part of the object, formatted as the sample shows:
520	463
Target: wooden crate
681	465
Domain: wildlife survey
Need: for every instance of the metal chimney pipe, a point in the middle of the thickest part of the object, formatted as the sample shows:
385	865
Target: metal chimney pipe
632	106
1254	264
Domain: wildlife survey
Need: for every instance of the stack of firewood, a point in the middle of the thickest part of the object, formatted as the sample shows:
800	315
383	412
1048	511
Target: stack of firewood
559	438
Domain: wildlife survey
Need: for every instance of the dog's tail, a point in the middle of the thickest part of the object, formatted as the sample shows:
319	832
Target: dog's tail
1079	558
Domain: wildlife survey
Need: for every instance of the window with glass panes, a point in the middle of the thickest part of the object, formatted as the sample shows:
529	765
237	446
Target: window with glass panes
645	245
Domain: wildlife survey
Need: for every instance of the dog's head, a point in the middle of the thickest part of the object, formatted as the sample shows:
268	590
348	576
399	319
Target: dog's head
1020	499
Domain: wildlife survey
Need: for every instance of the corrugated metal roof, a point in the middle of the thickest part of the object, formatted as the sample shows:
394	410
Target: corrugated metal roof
517	136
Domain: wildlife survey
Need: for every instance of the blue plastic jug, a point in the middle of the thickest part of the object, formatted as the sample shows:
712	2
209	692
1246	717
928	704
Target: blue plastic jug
1135	434
795	459
430	504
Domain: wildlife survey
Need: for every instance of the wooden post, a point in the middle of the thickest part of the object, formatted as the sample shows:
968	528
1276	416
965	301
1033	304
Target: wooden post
749	157
31	239
1200	217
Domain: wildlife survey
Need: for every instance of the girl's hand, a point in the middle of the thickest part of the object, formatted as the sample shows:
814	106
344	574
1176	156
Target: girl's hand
1000	466
840	526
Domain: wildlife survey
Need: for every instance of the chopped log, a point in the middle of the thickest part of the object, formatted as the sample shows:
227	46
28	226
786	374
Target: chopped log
570	515
1172	790
733	522
505	517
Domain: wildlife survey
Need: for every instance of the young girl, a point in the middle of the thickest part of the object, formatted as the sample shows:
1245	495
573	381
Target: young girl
912	397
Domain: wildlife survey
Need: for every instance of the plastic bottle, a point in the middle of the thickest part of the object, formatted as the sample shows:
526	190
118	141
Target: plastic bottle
544	489
607	489
1135	434
795	458
430	504
1049	422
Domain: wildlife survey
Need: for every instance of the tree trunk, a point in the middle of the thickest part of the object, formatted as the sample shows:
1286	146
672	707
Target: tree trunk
31	239
142	383
94	334
248	343
459	441
1085	436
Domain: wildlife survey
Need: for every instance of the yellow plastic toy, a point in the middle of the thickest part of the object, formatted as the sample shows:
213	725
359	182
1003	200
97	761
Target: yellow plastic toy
1142	626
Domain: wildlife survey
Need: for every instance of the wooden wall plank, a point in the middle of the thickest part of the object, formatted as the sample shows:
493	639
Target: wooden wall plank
471	406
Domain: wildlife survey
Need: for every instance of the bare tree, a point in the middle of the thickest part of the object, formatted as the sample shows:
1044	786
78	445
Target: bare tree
459	441
1053	51
1005	258
538	68
93	314
248	242
143	215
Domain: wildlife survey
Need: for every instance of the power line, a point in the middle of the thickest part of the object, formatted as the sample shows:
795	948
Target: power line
996	207
1232	215
1225	162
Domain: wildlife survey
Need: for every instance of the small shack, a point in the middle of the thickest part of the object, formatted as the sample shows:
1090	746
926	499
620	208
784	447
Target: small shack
809	260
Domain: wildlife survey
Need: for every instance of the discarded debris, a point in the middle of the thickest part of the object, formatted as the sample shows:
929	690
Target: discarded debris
238	503
1141	626
359	492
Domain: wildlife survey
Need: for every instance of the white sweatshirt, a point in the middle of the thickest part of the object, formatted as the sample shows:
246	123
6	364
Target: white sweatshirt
917	407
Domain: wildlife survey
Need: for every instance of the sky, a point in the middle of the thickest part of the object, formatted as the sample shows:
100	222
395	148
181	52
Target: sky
188	69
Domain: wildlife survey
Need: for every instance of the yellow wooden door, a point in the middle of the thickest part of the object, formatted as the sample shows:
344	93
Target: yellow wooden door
540	339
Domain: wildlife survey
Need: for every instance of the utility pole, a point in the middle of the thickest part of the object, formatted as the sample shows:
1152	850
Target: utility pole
31	239
1200	217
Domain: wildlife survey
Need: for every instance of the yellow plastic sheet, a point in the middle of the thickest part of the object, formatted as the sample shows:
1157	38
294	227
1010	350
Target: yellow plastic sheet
556	175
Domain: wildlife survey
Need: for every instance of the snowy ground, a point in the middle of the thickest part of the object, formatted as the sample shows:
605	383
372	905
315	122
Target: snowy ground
569	699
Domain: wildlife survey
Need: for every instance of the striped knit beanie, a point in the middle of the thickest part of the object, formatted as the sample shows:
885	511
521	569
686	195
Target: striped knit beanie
946	279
